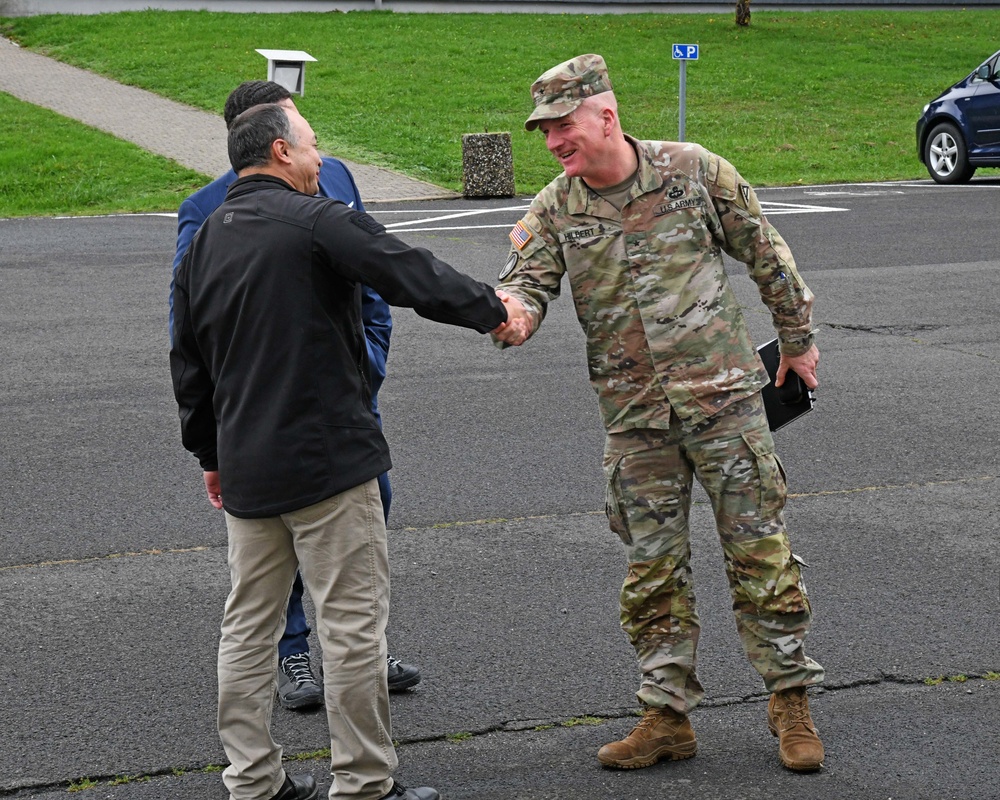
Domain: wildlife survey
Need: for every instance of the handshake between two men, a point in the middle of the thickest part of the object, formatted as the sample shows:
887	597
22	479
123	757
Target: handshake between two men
518	326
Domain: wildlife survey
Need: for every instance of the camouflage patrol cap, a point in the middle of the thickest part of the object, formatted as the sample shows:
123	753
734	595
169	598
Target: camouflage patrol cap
562	89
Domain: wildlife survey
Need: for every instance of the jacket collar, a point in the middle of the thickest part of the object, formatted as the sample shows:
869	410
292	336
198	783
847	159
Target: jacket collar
583	200
254	182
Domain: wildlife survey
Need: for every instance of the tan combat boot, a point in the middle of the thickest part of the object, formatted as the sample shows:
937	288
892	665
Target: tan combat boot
661	733
798	740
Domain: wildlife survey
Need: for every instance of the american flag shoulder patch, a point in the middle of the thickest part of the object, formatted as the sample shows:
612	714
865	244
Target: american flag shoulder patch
520	235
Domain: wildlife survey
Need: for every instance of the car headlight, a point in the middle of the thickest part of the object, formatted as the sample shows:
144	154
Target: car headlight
925	108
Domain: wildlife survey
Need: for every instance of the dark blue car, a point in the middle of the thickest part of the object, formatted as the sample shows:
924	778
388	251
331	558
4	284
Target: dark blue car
960	129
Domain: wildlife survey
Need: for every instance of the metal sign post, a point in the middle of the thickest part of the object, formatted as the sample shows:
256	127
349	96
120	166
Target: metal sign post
684	53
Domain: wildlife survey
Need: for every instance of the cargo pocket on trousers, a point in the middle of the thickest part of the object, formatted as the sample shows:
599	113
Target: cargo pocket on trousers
771	485
613	505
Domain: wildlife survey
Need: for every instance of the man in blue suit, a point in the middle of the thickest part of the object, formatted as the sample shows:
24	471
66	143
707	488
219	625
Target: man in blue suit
298	687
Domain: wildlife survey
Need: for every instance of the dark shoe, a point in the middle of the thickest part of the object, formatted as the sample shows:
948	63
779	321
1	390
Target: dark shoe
788	718
301	787
661	733
402	676
297	686
420	793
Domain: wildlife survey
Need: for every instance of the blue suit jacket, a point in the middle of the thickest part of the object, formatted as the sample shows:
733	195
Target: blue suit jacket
335	181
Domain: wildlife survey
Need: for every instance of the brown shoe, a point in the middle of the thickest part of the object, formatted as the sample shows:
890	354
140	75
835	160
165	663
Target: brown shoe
798	740
661	733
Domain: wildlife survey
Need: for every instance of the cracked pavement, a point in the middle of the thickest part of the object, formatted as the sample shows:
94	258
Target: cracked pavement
505	577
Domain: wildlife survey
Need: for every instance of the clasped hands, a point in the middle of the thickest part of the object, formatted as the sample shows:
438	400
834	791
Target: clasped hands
518	326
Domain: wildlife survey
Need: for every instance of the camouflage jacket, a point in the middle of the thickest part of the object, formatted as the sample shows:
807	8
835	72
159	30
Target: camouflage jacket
663	326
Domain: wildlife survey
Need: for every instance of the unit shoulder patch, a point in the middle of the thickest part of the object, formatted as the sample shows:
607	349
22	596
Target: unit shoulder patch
508	266
367	222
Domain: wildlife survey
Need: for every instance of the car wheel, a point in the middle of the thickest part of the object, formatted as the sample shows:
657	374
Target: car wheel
945	155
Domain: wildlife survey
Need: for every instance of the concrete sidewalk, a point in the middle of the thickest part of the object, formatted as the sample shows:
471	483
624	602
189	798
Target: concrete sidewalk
186	135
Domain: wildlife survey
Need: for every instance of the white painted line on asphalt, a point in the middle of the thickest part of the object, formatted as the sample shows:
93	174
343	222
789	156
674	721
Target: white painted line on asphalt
856	193
382	212
440	215
772	208
877	189
474	212
113	216
417	225
506	225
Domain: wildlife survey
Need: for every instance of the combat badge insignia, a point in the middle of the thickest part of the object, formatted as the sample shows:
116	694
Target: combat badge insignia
508	267
675	192
520	235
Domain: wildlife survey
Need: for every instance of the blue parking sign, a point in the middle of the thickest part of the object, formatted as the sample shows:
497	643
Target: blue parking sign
685	52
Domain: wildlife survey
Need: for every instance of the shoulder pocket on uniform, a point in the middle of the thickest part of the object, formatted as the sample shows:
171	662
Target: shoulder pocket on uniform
726	183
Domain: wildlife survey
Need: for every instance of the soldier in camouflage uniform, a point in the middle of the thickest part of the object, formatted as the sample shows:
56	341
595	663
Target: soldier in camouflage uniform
639	228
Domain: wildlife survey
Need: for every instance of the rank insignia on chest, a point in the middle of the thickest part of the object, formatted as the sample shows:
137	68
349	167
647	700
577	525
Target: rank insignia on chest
520	235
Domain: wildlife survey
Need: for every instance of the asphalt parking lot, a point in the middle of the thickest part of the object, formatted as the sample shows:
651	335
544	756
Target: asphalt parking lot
505	577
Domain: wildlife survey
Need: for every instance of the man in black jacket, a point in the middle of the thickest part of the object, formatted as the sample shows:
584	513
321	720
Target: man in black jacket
271	377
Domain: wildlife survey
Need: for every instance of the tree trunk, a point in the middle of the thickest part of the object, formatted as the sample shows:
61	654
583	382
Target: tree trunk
743	13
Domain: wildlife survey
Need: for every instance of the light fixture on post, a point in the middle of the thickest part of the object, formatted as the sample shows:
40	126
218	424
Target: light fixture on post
287	67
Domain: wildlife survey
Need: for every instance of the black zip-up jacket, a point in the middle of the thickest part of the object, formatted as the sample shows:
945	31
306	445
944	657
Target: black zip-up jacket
269	363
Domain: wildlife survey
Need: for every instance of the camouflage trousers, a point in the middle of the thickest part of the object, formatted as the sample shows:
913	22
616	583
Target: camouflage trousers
650	474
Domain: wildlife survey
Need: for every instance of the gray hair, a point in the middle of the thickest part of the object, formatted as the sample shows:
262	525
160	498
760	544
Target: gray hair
254	131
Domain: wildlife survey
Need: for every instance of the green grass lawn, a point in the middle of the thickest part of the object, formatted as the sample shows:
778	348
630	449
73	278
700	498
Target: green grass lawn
50	165
806	98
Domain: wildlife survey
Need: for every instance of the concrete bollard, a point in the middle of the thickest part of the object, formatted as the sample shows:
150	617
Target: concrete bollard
487	165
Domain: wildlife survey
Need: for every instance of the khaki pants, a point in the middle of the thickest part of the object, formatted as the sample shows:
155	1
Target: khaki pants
650	475
340	547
